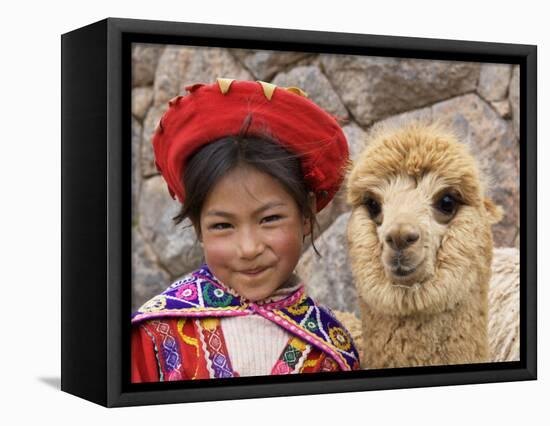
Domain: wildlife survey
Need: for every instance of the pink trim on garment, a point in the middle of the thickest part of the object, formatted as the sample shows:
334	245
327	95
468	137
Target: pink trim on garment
204	312
302	334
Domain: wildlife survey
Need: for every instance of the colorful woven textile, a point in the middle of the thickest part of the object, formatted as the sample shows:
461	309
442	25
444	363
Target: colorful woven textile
202	295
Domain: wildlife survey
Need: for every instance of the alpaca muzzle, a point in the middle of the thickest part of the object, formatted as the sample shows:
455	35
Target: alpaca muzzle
405	272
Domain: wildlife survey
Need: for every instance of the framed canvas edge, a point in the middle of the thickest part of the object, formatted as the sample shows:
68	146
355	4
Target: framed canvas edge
417	47
318	387
83	196
525	55
528	210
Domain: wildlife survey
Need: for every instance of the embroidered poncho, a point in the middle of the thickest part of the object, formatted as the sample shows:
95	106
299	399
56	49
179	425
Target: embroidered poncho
177	334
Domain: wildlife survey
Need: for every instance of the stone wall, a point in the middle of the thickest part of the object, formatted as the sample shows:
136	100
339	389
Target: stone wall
481	101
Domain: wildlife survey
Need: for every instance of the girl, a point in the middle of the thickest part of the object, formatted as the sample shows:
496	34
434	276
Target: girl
251	163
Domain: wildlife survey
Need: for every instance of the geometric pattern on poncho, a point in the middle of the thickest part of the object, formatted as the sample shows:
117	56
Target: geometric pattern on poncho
201	294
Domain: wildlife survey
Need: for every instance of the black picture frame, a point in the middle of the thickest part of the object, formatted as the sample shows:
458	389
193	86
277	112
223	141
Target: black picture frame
96	209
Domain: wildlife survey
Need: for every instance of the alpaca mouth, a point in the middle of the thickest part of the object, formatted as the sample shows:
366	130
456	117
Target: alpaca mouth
403	272
400	271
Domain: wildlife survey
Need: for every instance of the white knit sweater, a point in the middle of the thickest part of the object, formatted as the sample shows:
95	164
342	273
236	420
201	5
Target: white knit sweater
255	343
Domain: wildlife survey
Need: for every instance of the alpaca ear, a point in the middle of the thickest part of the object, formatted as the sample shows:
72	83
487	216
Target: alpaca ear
494	212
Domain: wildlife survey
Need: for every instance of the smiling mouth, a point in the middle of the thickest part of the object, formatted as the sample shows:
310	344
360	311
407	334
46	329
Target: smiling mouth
254	272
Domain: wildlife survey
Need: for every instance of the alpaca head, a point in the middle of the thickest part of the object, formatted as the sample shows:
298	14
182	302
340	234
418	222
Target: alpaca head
420	230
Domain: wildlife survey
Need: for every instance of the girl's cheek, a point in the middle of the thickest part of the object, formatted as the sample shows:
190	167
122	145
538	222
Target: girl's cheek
217	249
288	240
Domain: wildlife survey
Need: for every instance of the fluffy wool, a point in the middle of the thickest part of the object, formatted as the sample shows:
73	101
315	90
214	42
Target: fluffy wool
441	317
504	306
504	336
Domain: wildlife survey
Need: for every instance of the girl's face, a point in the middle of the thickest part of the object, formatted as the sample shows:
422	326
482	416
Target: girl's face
252	232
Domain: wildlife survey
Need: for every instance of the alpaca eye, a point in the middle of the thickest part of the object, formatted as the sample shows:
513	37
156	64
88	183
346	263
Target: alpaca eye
447	204
373	207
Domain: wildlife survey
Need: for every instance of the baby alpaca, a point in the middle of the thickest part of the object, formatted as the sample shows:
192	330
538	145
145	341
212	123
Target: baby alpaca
420	248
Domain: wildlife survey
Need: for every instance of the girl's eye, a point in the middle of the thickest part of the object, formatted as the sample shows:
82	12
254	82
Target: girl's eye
220	226
271	218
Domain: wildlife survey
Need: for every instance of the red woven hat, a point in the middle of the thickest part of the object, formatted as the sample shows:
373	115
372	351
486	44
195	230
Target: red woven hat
285	115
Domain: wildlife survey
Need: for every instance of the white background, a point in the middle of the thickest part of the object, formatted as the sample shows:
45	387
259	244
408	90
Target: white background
30	211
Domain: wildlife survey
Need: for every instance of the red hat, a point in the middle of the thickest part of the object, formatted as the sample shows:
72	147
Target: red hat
286	115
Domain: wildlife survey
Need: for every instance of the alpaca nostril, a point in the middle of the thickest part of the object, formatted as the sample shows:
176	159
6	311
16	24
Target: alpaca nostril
401	237
392	241
412	238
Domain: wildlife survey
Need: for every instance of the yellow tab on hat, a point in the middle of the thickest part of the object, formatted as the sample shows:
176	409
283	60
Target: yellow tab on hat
225	84
297	91
268	89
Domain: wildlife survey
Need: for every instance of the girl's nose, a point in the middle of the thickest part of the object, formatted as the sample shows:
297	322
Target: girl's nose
250	245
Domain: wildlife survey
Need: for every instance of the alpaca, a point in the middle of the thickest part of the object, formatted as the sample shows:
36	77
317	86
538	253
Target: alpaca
504	335
503	326
420	246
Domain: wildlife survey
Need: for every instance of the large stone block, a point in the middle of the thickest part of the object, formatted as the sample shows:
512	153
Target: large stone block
148	278
373	88
493	81
144	63
513	97
175	245
182	66
312	81
142	97
136	165
328	279
150	124
264	64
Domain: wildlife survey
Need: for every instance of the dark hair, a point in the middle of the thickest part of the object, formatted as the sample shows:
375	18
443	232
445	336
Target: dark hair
206	167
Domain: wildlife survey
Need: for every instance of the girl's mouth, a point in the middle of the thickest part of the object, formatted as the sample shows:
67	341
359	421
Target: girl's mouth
254	272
